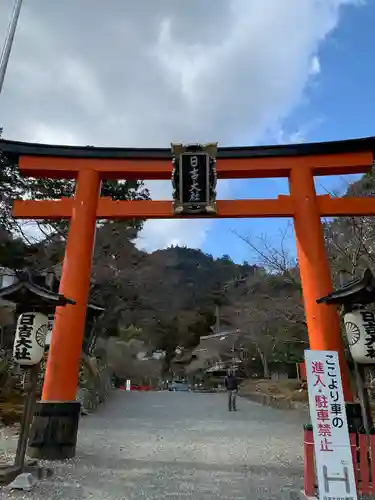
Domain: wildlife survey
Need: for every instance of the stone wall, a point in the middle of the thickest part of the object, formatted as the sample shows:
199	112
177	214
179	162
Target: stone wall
274	401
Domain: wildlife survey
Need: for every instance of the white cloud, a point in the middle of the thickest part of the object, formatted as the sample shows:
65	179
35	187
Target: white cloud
81	84
163	233
315	66
43	133
152	72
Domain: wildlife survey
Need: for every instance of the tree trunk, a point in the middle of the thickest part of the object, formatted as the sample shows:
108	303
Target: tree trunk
264	360
266	368
247	365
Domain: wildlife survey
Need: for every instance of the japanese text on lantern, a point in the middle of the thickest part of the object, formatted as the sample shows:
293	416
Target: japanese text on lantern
29	339
23	343
369	327
328	406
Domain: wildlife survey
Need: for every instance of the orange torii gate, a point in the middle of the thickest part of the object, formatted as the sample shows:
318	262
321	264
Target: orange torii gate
89	165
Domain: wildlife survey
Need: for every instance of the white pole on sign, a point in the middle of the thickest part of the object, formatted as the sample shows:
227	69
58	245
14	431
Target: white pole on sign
7	48
128	385
333	456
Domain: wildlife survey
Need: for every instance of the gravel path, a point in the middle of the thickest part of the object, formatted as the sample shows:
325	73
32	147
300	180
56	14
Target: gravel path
162	445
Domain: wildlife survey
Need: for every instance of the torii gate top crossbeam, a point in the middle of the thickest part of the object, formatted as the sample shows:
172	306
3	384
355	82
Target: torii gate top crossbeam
324	158
327	158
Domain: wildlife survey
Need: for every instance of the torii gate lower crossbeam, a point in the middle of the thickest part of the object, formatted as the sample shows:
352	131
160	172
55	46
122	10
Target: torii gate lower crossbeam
298	163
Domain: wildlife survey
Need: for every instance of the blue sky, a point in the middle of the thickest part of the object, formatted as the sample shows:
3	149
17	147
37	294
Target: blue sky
338	104
300	69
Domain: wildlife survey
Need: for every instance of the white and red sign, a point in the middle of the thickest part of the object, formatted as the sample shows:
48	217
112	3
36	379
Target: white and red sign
334	465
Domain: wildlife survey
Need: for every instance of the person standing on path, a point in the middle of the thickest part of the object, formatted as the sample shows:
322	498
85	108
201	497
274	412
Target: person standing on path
231	385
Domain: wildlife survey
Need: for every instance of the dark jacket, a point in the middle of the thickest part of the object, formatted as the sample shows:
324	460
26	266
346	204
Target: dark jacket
231	383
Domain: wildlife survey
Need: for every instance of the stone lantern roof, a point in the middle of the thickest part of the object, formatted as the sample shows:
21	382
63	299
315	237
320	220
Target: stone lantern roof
25	293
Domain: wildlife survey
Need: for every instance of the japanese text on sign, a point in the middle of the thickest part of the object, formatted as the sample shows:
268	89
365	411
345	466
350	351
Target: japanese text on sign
328	416
327	408
194	178
194	190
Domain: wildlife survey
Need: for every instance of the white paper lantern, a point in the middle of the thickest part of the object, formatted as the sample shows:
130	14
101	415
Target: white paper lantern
29	341
360	330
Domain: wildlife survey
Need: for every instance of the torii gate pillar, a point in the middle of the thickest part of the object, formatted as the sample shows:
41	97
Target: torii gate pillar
322	320
58	412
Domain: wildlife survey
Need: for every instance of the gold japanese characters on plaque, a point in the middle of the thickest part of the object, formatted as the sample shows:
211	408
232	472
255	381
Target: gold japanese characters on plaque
194	178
